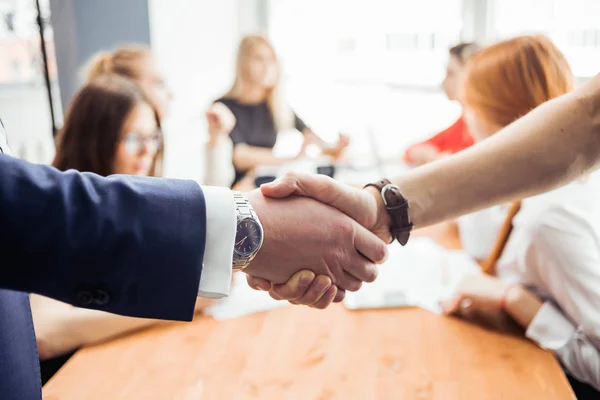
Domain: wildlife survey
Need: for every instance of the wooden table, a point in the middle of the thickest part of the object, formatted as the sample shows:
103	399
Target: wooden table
300	353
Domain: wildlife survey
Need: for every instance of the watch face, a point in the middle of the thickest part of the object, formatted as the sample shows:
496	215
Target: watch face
248	238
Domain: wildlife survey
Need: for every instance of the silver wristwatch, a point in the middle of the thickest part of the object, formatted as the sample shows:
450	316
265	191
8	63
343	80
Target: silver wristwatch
249	233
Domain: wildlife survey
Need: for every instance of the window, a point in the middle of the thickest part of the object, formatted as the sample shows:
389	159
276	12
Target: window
378	41
24	104
368	66
571	24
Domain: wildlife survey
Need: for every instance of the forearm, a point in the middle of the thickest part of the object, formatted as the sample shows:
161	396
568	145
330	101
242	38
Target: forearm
553	145
105	243
522	305
218	167
550	329
61	328
246	157
307	132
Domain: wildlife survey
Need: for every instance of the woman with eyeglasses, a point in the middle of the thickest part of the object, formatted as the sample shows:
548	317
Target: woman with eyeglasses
138	64
111	127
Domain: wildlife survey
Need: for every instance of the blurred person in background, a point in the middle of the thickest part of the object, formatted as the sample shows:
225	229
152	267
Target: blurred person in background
256	100
543	268
456	137
111	127
138	64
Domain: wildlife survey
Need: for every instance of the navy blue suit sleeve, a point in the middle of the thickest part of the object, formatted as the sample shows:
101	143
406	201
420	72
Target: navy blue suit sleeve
126	245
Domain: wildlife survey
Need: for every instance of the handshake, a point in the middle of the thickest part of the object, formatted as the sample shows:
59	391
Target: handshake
321	238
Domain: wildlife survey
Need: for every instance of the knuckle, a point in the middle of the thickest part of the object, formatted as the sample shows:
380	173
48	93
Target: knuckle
354	286
344	230
381	252
372	273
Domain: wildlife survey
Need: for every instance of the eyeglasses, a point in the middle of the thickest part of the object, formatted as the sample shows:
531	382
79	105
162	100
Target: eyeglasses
135	142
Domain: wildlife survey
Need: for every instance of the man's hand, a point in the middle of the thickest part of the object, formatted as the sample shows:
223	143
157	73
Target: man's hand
304	288
302	233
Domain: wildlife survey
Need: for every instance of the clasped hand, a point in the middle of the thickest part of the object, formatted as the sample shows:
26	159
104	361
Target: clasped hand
321	238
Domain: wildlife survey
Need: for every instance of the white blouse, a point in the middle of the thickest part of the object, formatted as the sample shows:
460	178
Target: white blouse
554	250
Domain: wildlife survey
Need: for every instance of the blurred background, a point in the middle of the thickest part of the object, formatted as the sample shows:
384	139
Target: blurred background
358	66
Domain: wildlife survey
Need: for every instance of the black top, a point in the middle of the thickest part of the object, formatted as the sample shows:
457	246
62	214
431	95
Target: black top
255	126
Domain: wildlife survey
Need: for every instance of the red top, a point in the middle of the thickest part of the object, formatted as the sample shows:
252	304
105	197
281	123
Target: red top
451	140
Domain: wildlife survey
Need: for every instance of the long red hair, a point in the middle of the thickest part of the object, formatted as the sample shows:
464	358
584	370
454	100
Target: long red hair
510	78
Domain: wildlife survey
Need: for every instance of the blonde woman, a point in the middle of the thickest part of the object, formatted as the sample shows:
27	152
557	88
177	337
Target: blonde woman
138	64
255	99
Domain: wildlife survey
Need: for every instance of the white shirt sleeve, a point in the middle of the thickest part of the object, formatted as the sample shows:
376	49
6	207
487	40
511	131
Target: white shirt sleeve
553	331
215	280
563	259
218	167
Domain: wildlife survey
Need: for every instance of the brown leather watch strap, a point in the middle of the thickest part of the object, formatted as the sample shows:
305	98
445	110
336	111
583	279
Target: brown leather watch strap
397	207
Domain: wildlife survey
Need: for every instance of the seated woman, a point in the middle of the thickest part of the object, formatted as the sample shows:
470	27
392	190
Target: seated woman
138	64
456	137
255	101
542	269
110	128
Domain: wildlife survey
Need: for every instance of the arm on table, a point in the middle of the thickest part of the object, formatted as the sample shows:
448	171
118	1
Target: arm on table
552	330
564	257
61	327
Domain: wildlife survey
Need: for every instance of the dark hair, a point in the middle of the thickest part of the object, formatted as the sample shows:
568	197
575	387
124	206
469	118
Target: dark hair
93	125
463	51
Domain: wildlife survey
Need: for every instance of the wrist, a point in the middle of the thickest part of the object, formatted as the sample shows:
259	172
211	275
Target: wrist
521	304
383	222
249	230
257	201
214	139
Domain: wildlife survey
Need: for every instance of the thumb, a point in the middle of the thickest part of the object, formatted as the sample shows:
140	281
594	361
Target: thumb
295	287
279	188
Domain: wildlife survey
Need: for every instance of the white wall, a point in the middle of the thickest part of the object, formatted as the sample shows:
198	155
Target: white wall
195	43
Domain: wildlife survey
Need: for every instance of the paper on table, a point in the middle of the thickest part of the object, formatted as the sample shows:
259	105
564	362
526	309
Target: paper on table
242	300
421	274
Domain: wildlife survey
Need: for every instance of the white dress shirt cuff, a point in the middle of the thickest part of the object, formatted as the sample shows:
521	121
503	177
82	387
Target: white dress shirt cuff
215	281
550	328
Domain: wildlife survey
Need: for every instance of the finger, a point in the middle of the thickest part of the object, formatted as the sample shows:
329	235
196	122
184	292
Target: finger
349	282
295	287
339	296
326	299
279	188
320	285
361	269
370	246
258	283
